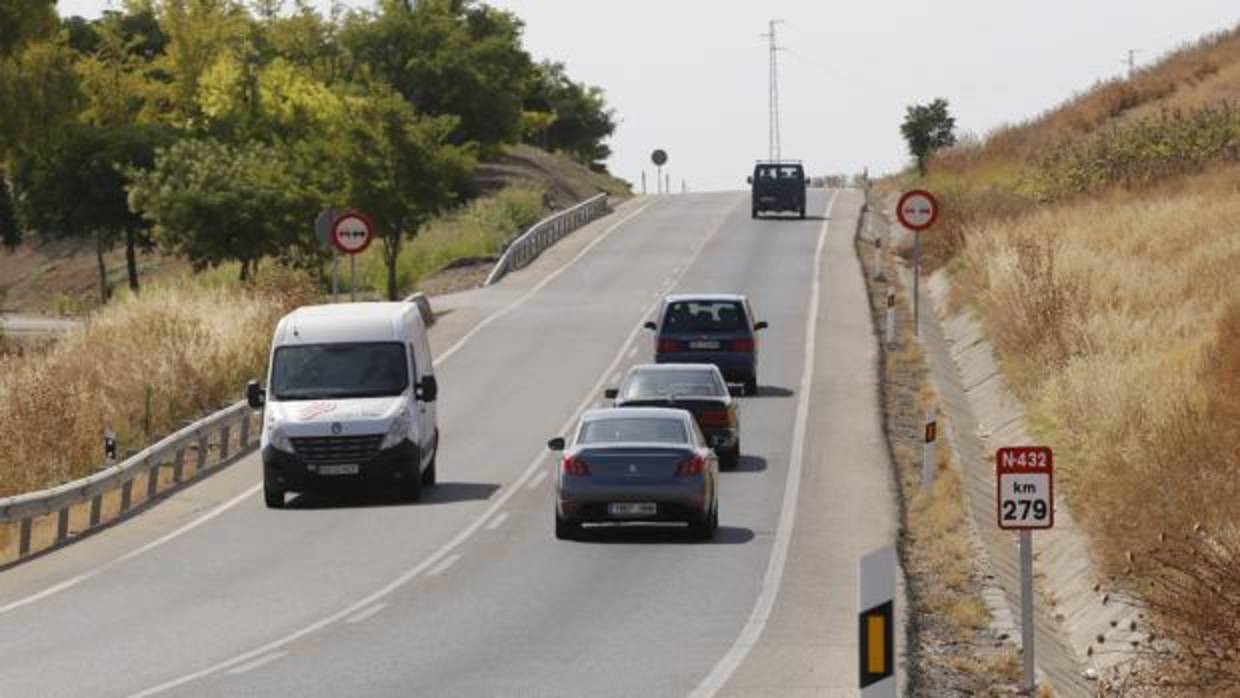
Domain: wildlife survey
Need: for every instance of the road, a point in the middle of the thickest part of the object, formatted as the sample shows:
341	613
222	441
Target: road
467	593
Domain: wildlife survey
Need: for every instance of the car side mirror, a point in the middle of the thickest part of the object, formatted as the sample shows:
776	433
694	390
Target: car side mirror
556	444
760	325
255	395
650	326
427	389
611	393
749	180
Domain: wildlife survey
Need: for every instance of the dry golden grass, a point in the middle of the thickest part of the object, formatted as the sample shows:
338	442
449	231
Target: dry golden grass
192	347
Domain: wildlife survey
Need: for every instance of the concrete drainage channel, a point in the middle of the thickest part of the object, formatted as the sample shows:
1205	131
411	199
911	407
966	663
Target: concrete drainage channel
982	414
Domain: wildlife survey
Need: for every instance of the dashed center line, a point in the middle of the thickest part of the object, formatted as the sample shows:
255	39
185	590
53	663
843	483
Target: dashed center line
261	661
498	521
537	480
363	615
443	566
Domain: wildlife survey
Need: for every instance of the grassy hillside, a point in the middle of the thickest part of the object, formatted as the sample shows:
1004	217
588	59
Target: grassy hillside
1098	245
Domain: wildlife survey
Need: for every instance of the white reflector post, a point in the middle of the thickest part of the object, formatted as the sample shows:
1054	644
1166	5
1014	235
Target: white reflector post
876	591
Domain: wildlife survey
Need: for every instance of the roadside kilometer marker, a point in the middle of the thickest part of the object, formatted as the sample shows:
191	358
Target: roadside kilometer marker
1025	498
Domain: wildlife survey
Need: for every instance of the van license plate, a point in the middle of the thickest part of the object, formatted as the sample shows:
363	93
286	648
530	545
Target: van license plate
338	469
631	508
702	344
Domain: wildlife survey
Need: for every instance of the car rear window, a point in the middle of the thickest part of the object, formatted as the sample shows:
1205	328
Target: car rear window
642	384
705	316
639	429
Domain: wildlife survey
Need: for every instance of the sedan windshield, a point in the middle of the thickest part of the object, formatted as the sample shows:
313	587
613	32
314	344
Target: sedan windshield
324	371
637	429
705	316
641	384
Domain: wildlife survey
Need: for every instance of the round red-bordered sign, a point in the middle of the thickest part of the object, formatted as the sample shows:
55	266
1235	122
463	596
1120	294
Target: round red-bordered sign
917	209
352	232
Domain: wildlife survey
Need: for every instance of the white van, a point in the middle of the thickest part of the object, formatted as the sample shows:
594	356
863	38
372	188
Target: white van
350	401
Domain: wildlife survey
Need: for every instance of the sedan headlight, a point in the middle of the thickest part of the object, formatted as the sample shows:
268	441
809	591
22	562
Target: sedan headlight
277	439
397	432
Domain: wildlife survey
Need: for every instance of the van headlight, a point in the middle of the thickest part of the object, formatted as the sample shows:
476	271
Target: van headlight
277	439
396	433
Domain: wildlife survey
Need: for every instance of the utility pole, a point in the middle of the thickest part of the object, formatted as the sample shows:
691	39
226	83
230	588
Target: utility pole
1132	61
774	48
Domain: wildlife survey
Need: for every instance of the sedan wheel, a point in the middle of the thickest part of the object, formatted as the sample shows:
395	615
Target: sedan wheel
566	530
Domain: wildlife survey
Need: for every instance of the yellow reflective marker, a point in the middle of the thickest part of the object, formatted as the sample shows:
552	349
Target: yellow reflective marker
876	655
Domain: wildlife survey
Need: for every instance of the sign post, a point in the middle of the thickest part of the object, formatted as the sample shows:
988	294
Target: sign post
1025	499
917	210
352	233
876	592
659	158
323	230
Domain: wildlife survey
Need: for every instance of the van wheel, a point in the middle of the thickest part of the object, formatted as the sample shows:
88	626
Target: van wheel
802	212
274	498
753	213
428	475
566	530
411	489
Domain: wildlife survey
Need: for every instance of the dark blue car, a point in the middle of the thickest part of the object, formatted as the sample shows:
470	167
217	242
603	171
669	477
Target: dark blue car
714	328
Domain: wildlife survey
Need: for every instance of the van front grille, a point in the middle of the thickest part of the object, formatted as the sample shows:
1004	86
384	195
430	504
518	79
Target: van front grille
337	450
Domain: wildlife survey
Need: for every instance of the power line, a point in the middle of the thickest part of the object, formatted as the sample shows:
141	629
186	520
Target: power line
773	109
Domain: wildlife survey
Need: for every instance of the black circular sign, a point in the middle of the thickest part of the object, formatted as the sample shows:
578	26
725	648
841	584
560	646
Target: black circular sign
659	157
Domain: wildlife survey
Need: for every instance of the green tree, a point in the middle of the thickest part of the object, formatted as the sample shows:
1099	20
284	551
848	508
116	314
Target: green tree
213	202
401	170
74	185
582	122
927	128
24	21
447	57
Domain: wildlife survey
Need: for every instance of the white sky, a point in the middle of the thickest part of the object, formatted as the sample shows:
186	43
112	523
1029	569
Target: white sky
690	76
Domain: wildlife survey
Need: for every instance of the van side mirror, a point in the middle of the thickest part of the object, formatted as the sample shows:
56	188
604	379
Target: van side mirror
611	393
255	395
427	389
650	326
760	325
556	444
749	179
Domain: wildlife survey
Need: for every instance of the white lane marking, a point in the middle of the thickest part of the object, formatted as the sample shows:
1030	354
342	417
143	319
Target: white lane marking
787	515
74	581
497	521
359	617
261	661
443	566
615	377
537	287
538	480
633	351
505	494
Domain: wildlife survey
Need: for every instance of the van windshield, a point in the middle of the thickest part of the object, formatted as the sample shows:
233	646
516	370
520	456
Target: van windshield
327	371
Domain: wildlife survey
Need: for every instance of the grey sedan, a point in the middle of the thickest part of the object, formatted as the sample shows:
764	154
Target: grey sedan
636	464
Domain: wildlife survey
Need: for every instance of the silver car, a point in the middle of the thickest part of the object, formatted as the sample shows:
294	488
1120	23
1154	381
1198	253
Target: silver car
636	464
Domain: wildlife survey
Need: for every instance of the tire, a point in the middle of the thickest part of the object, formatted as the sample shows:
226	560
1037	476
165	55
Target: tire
802	211
411	489
704	528
566	530
753	213
274	498
733	457
428	475
751	385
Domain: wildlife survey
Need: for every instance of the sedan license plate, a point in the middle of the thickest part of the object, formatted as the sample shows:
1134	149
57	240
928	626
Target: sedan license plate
631	508
704	344
338	469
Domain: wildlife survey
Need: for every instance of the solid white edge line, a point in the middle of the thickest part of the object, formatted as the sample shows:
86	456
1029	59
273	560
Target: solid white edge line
498	521
753	628
74	581
261	661
363	615
443	566
505	494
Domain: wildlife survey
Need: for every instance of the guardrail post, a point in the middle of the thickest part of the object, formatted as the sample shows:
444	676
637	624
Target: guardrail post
225	437
23	539
245	429
62	525
202	453
178	466
152	480
96	509
126	495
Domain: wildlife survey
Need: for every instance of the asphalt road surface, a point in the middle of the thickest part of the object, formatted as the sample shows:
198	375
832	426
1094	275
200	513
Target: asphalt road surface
467	593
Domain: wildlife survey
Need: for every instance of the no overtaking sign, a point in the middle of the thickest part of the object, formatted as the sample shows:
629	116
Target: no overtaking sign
352	232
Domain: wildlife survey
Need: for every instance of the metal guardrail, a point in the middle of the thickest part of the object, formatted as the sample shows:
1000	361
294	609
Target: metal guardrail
546	233
227	433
